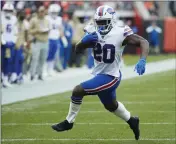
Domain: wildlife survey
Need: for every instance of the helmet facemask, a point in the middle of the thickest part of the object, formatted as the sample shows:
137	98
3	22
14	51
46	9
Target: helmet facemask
54	15
103	26
8	13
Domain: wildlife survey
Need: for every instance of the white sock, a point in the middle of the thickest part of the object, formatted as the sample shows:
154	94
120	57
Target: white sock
50	66
6	82
5	79
73	111
13	77
122	112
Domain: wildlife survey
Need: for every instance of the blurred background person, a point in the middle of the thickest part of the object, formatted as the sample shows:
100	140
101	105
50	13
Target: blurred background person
172	6
132	26
68	32
77	34
90	59
39	28
17	69
154	32
55	25
27	47
9	32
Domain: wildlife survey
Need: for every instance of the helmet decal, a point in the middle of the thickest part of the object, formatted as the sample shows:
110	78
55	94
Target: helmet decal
110	11
101	9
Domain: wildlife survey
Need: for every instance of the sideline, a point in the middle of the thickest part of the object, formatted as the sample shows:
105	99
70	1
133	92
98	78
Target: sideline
66	80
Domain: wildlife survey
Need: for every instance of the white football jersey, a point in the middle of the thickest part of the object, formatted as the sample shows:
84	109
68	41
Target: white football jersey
9	29
108	51
54	25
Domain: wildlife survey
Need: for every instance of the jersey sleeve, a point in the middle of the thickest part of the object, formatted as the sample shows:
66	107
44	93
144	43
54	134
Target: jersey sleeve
89	28
127	31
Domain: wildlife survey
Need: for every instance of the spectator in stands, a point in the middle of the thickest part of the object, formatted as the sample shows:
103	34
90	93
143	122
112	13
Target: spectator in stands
39	28
153	37
68	31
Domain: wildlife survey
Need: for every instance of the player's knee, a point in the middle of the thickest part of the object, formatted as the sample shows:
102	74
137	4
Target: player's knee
78	91
110	107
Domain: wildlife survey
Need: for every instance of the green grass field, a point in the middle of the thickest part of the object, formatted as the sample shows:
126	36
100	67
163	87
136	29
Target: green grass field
132	59
150	97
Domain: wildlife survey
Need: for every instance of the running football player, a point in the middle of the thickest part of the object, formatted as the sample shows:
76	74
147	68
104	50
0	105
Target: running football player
108	41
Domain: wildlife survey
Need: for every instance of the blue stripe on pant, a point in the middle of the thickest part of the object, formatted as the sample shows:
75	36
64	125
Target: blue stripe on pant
102	85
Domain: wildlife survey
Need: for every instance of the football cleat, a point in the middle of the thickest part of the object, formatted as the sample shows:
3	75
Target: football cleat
63	126
134	125
40	77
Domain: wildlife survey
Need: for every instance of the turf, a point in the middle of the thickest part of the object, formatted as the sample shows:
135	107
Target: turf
132	59
151	97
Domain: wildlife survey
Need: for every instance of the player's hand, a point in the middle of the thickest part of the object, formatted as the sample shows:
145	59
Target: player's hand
140	66
90	38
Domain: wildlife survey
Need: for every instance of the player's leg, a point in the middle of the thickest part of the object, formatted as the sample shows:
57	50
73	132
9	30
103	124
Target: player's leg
58	65
76	100
35	58
20	68
108	98
53	46
90	87
42	59
17	65
8	59
13	78
68	53
66	50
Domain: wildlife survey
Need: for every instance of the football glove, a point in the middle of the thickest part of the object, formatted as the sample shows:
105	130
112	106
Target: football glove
90	38
140	66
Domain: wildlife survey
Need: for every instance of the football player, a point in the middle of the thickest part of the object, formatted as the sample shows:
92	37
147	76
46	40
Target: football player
18	59
108	40
55	33
8	40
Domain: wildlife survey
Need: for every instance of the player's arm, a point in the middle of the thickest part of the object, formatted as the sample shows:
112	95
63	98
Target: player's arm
137	40
32	28
62	35
134	39
89	40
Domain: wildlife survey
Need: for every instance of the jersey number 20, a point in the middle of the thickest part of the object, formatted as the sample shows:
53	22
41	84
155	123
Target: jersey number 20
105	53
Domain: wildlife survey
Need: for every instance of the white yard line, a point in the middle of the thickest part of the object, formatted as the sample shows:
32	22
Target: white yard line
48	124
29	106
98	139
67	80
23	111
